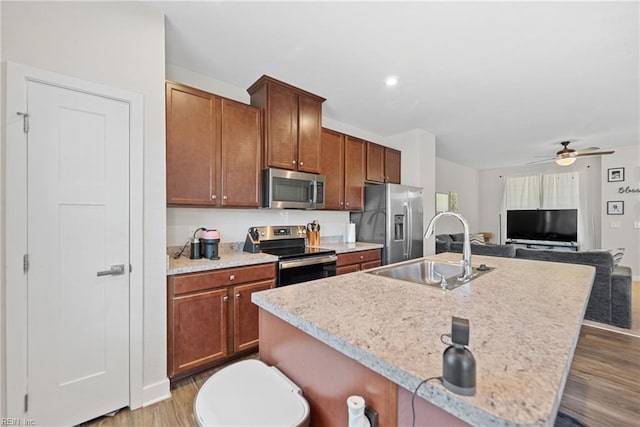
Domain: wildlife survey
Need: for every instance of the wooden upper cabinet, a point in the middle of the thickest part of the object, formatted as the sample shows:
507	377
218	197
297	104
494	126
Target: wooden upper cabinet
392	165
292	124
213	149
375	162
240	147
191	145
383	164
354	173
332	167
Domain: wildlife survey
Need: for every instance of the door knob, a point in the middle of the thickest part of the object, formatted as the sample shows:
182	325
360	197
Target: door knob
115	270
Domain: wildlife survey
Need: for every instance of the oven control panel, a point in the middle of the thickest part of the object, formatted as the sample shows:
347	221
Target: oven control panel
255	235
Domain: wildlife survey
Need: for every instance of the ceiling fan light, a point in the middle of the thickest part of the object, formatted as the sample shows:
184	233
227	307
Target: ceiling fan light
565	161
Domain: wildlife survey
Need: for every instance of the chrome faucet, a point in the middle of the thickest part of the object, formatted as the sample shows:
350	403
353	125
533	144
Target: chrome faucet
466	248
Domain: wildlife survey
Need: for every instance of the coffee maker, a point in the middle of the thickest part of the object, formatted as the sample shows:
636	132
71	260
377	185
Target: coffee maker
207	245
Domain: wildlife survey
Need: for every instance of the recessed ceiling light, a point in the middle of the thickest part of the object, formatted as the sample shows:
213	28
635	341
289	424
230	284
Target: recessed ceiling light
391	81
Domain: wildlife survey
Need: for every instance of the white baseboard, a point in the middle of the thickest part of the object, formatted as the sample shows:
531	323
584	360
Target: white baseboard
156	392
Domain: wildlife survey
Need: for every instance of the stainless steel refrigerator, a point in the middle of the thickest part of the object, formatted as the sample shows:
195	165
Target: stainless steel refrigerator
392	216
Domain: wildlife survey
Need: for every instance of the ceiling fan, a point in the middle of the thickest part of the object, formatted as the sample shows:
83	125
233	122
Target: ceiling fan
567	156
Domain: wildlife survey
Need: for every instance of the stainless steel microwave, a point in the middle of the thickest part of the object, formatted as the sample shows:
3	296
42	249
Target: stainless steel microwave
292	190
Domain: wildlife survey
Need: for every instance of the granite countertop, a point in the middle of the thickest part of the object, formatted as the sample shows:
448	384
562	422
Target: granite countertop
231	255
228	258
342	248
525	318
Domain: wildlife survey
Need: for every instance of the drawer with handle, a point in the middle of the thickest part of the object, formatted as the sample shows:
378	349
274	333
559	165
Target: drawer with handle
192	282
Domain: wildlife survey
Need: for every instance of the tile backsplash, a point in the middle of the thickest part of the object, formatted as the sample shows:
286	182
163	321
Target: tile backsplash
233	223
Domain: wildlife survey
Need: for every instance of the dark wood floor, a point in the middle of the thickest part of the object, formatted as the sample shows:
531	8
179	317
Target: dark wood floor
603	387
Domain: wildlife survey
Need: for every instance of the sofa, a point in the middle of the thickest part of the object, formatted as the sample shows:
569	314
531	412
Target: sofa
610	299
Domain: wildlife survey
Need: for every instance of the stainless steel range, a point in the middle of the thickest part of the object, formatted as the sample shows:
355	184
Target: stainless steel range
296	262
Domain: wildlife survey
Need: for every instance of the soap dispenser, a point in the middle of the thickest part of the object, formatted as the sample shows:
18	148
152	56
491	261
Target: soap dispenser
458	364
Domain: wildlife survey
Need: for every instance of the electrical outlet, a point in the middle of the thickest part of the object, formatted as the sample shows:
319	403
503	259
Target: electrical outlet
615	224
636	224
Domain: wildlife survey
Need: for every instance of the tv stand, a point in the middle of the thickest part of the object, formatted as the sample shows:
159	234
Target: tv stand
544	244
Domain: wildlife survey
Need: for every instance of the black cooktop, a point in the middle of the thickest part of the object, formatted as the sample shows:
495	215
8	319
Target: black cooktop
297	252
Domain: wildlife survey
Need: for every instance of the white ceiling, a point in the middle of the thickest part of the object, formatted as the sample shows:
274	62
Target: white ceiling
498	83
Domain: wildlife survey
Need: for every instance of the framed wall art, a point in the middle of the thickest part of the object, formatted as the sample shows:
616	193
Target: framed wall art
615	207
615	174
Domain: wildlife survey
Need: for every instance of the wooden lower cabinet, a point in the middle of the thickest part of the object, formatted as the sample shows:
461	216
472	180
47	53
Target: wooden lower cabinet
356	261
210	316
245	315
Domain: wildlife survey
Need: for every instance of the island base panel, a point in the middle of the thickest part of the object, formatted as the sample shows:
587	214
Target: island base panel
427	414
325	376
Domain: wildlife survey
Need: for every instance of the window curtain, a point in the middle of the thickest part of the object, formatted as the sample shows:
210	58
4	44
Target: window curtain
551	191
520	192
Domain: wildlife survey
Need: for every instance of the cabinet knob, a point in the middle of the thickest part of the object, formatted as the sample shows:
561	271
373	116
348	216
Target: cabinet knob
361	256
347	203
224	197
293	161
225	298
237	295
301	163
341	203
232	277
213	197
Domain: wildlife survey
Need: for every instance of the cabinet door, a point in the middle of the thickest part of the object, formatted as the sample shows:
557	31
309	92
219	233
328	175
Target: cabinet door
347	269
199	329
354	156
282	128
190	146
309	134
375	162
370	264
332	167
392	165
245	315
240	145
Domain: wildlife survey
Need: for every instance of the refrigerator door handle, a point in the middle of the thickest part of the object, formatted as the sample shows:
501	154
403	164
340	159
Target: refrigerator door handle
409	236
407	232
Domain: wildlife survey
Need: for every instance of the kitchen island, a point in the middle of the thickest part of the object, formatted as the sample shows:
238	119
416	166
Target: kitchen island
380	337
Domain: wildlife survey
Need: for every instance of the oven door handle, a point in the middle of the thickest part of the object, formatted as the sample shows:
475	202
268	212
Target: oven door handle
307	261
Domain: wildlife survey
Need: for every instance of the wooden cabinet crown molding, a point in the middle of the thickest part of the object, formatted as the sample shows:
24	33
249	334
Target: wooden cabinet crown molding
267	79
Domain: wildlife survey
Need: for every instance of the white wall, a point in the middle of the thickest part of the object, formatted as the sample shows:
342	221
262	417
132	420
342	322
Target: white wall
618	230
465	181
419	170
418	155
121	45
492	186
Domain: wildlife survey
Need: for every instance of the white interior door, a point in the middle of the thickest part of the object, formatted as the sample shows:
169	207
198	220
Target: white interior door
78	225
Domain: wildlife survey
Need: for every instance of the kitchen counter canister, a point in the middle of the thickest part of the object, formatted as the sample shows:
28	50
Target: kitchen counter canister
525	318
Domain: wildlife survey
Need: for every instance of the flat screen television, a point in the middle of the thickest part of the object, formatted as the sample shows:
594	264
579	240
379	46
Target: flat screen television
559	225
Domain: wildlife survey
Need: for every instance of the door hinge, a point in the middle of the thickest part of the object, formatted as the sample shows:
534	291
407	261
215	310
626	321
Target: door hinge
25	121
25	263
26	403
130	268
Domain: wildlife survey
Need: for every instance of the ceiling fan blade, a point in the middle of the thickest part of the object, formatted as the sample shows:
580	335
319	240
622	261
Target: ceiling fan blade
596	153
548	159
585	150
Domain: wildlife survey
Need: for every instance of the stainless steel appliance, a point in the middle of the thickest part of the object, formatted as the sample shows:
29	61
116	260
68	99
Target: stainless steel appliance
296	262
293	190
392	216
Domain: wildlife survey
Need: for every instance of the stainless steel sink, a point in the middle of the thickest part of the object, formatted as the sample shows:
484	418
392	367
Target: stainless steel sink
445	275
